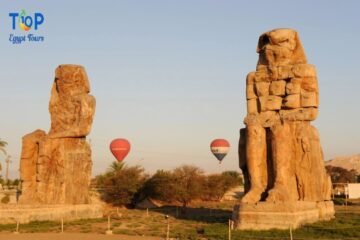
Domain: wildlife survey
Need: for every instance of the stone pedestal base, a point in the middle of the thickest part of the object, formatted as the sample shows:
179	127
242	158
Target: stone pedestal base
264	215
13	213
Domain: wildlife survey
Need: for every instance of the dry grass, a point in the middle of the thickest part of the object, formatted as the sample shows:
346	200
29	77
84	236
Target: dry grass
200	221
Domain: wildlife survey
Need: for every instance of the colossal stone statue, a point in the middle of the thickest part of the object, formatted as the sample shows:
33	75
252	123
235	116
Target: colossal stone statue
279	151
55	168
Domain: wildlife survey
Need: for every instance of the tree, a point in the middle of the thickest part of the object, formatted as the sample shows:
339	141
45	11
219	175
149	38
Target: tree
216	185
214	188
120	184
16	182
160	186
116	166
2	149
341	175
2	146
189	184
232	179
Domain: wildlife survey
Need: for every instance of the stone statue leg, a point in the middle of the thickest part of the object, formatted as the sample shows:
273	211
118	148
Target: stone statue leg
242	159
283	156
256	162
28	161
310	170
50	172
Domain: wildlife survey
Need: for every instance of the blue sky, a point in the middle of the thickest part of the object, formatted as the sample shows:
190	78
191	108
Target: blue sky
170	75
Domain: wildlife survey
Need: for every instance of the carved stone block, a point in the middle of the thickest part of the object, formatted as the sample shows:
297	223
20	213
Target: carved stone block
304	70
293	86
299	114
263	75
262	88
277	88
269	103
309	99
292	101
250	91
285	72
310	84
252	106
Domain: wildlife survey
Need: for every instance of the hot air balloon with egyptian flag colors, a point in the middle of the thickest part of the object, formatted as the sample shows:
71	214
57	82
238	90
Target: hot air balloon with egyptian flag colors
120	147
220	147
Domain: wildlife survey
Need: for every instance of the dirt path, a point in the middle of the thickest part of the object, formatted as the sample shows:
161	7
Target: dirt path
70	236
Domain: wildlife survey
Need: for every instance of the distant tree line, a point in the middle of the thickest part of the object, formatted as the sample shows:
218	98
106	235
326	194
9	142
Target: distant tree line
342	175
9	184
125	186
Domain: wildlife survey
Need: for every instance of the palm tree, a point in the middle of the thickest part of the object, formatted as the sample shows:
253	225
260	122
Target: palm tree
2	149
2	146
116	166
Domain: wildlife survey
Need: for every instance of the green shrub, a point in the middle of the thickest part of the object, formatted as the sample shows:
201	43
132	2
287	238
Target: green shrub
120	184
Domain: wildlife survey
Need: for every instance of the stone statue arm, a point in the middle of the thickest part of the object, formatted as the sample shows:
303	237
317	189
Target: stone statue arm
300	114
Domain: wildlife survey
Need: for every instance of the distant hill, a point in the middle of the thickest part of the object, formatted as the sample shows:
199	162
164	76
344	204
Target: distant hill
349	162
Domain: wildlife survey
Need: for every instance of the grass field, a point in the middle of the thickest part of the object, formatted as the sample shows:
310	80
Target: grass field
201	221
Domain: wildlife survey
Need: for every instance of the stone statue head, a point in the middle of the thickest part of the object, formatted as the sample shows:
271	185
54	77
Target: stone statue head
280	47
71	80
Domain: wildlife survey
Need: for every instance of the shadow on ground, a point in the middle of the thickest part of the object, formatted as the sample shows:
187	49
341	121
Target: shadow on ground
201	214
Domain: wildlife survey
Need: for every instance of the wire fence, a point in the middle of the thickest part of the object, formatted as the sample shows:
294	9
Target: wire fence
232	235
348	227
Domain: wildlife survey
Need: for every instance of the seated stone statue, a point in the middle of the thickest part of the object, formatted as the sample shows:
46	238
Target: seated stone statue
279	151
55	168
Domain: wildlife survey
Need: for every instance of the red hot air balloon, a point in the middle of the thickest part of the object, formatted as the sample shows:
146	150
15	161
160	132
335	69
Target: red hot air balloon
120	147
220	147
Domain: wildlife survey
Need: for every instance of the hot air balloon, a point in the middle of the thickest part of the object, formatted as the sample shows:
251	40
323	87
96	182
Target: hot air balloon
120	147
220	147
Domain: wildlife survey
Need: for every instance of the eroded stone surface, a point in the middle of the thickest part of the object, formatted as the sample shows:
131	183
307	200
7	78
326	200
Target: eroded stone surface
55	168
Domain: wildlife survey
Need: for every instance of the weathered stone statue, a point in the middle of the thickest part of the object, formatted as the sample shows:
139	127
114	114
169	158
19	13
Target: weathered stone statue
279	151
55	168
